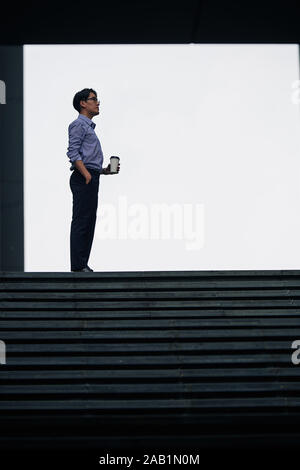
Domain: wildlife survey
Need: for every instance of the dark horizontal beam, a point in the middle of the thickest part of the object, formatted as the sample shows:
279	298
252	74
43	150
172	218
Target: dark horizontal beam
170	21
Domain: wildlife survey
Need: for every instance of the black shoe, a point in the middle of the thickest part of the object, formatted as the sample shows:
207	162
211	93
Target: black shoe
89	269
84	270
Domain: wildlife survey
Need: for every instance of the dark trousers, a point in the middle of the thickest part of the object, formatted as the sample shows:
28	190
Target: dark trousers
85	203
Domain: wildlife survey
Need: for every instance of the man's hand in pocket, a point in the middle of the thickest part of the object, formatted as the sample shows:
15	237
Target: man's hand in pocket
88	178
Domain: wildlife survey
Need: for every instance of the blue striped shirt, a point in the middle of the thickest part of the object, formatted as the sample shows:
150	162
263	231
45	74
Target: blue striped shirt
84	144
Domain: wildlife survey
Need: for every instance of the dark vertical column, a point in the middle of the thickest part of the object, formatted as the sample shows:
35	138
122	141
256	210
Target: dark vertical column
11	159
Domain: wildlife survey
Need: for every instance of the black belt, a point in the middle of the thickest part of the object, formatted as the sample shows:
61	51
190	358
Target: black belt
91	169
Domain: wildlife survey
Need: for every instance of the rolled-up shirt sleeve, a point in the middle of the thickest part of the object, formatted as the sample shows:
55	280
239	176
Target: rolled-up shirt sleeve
76	135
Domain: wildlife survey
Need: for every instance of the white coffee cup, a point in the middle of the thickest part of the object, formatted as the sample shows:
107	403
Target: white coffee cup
114	162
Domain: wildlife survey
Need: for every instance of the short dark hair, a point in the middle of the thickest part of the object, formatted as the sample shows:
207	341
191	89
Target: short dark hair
82	95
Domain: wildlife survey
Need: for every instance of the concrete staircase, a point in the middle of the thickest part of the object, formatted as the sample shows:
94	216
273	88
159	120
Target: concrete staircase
177	359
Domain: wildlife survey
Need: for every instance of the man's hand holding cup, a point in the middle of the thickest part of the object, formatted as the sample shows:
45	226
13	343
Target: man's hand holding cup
113	167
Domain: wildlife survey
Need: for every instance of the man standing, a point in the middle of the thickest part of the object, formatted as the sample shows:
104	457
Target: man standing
86	157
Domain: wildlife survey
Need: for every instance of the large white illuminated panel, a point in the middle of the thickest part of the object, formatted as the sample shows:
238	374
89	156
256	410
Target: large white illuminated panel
208	137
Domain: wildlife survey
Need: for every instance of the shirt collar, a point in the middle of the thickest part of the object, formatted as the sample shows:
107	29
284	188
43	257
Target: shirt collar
88	120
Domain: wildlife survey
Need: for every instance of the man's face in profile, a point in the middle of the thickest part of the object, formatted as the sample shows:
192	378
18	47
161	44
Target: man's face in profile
91	105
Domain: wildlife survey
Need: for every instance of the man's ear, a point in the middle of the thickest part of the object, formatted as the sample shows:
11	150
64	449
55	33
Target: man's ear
82	105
